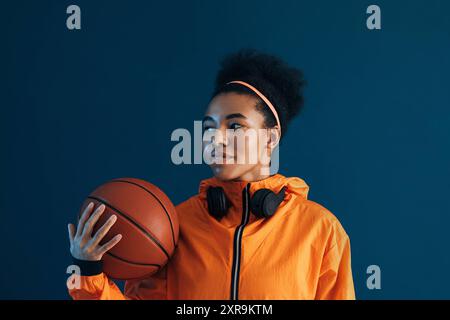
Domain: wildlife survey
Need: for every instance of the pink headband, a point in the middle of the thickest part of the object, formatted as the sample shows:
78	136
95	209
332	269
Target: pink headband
272	108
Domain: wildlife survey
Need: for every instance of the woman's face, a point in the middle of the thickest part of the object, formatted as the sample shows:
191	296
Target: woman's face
239	143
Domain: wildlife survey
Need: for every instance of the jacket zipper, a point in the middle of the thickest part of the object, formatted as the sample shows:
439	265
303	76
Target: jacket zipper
237	244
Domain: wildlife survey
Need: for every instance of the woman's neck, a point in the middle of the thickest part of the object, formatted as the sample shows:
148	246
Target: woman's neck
252	175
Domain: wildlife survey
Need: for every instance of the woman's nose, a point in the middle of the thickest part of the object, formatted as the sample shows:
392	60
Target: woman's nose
220	137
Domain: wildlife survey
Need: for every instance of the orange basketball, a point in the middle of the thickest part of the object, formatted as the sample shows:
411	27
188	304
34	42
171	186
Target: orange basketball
147	220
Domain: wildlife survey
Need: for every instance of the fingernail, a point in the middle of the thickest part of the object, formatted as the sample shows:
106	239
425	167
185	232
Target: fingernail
90	204
113	217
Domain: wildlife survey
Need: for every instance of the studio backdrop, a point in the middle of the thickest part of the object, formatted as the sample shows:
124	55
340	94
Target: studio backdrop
80	106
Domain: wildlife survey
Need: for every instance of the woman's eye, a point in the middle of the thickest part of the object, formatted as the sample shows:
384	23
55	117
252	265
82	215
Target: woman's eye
206	128
235	126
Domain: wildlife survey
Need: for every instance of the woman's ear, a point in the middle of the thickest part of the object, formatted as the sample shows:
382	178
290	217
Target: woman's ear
270	139
274	137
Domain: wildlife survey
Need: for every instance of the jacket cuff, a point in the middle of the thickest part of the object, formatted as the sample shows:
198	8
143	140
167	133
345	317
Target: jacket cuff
89	268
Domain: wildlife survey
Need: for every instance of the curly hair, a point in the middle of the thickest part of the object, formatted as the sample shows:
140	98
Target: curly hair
281	84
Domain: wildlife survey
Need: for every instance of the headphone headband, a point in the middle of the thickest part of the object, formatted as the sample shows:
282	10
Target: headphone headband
263	97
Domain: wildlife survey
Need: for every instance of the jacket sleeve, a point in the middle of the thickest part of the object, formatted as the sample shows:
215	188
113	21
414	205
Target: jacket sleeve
99	287
335	279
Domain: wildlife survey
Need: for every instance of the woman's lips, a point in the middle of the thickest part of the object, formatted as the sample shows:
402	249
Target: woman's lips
223	156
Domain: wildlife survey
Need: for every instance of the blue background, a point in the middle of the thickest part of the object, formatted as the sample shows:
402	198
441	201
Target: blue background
81	107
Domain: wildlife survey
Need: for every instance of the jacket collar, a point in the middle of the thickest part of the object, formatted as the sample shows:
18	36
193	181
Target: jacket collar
233	189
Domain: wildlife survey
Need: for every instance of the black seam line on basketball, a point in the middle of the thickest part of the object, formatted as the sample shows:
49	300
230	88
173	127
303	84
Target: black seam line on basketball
162	205
131	262
132	222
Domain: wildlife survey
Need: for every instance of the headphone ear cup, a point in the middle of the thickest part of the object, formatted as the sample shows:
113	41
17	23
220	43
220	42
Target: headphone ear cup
218	204
265	202
257	202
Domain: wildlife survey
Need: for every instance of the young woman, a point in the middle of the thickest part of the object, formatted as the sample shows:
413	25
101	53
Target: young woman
246	234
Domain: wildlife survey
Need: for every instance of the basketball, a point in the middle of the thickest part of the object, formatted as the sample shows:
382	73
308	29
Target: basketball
148	222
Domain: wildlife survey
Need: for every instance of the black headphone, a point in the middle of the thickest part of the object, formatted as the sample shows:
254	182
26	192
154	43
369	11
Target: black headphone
264	203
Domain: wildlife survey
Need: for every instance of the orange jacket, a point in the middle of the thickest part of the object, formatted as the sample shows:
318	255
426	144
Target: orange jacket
301	252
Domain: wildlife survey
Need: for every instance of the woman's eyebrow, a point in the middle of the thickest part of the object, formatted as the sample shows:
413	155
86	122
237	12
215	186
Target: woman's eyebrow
235	115
207	118
230	116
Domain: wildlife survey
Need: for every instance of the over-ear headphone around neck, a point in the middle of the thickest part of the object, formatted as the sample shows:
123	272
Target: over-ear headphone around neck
264	202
